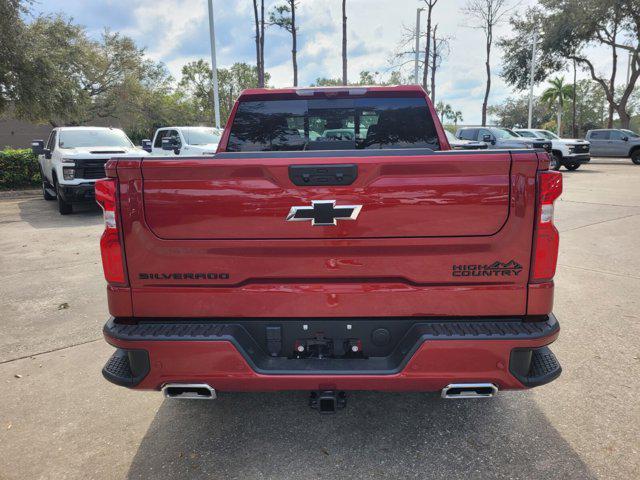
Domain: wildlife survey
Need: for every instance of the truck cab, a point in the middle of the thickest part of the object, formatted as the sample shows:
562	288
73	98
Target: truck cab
183	141
73	158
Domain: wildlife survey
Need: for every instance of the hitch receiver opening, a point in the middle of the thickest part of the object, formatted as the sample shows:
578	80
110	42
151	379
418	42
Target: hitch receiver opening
327	401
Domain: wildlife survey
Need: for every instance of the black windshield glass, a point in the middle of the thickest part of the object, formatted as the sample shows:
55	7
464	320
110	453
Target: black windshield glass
333	124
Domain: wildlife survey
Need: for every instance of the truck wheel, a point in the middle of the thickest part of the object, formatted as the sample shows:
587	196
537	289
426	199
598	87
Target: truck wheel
572	166
556	161
65	208
635	157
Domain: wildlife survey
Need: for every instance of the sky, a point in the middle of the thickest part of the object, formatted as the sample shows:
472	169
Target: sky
177	31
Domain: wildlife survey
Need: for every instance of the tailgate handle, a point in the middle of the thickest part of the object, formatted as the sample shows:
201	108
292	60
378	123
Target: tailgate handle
314	175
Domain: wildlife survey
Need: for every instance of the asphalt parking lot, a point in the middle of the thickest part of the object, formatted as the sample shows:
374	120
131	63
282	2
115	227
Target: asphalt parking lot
60	419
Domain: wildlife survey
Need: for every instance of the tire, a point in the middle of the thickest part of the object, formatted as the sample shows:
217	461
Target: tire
556	161
635	157
572	166
65	208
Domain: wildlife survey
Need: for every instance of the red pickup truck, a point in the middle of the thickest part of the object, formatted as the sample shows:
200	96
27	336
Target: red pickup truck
335	242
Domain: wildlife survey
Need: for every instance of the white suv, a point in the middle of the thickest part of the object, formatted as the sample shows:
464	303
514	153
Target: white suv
73	159
184	141
564	151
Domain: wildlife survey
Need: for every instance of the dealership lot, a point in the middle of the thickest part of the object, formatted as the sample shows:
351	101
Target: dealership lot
60	419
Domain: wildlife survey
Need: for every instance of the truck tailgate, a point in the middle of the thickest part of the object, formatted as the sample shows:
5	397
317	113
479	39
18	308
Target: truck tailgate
401	196
445	233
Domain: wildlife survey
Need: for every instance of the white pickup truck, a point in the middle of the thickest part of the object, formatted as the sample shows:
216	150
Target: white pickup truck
73	158
183	141
569	152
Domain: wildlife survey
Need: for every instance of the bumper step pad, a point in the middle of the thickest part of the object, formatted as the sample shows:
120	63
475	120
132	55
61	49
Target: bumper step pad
126	367
540	364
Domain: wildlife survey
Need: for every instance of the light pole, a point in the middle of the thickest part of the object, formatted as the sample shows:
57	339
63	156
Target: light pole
214	69
417	59
531	75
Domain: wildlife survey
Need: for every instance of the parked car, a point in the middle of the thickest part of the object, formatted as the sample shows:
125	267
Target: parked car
458	144
183	141
384	261
614	143
630	133
567	152
74	157
498	137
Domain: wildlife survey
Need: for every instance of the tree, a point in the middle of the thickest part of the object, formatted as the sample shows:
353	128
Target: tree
405	53
558	93
284	16
514	112
12	56
195	84
440	49
443	110
427	50
591	106
571	29
327	82
516	58
259	25
485	15
457	117
366	77
49	86
344	42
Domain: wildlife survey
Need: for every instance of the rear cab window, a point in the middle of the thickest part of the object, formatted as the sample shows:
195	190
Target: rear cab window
332	124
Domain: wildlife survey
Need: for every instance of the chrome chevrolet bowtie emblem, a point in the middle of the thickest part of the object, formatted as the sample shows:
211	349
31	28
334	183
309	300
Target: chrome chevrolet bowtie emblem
323	213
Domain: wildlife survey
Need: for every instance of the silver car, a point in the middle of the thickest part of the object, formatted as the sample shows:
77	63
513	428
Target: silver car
615	143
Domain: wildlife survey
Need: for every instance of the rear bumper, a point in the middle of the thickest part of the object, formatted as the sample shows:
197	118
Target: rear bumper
431	354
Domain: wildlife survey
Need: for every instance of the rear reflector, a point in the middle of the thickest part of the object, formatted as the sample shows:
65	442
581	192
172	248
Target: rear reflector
546	237
110	246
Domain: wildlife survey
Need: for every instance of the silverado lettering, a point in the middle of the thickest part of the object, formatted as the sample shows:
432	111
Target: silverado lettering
417	300
183	276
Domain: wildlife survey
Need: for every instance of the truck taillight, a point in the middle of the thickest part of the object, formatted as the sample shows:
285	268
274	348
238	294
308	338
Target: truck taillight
546	237
110	246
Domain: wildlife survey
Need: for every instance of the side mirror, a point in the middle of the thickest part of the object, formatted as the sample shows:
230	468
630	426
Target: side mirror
146	145
488	139
625	138
37	147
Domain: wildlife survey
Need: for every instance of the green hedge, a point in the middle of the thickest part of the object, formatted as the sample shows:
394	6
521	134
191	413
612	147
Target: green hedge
18	169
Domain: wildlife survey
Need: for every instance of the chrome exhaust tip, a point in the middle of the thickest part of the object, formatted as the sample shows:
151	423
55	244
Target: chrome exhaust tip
189	391
469	390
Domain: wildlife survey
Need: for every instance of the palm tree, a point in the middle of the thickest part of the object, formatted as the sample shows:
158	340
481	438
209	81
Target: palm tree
557	94
457	117
443	110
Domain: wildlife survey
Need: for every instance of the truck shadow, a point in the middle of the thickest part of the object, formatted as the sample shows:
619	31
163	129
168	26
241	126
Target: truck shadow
379	435
39	213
